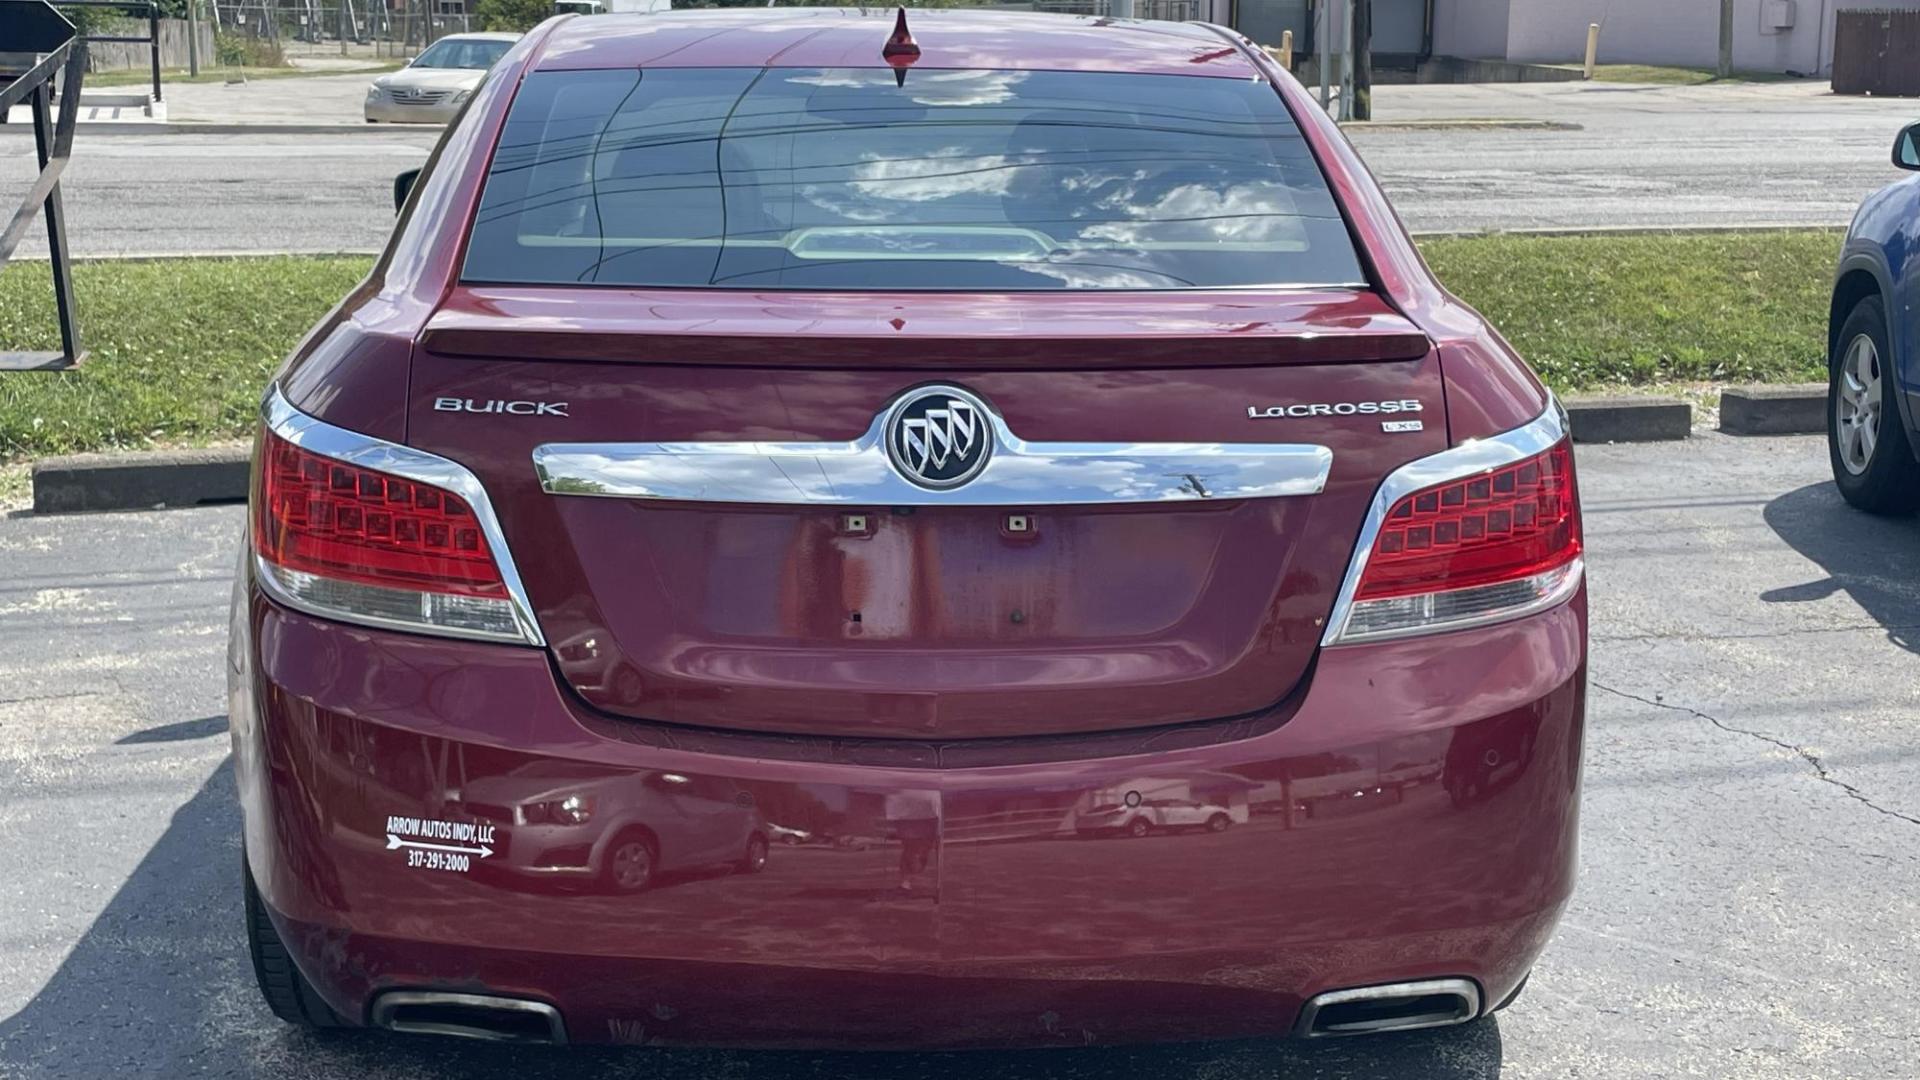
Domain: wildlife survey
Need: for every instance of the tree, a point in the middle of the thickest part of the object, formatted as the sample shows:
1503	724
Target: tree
516	15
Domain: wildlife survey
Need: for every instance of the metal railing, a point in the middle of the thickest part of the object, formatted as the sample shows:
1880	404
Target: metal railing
53	142
152	40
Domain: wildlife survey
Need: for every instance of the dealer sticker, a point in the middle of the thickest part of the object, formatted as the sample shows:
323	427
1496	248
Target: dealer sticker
432	844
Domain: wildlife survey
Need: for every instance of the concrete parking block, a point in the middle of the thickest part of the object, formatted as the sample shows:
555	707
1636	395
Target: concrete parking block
1797	409
1630	418
82	482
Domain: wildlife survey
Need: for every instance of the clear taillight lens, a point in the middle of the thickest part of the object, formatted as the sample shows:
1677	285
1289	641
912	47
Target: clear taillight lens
1492	545
368	546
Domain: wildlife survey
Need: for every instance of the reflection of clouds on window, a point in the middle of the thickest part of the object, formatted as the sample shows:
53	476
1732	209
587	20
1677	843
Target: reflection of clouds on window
940	175
838	178
1257	212
925	87
1074	274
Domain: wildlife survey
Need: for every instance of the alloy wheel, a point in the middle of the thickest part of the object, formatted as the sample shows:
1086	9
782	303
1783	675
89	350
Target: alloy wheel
632	866
1856	413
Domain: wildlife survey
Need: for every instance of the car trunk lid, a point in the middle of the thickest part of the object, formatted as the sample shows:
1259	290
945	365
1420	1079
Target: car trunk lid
926	617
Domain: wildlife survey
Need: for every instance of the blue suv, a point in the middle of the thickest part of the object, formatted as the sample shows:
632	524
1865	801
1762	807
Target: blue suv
1873	346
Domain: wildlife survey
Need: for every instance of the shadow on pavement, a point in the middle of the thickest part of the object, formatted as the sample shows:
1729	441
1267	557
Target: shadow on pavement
1871	558
204	728
160	986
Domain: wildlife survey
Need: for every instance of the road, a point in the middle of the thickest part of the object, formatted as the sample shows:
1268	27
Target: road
1750	830
1786	153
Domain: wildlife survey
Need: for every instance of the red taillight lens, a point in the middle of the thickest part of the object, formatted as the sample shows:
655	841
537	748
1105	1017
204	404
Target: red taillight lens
1513	522
1491	545
324	517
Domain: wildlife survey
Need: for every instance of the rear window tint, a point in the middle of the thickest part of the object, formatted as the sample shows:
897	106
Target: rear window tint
956	180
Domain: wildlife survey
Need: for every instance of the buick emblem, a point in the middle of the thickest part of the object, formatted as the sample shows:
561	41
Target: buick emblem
939	437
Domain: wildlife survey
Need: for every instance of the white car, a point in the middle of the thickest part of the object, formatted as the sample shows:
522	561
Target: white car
1156	815
433	86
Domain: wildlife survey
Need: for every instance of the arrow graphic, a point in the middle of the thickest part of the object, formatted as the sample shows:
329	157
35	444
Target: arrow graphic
395	842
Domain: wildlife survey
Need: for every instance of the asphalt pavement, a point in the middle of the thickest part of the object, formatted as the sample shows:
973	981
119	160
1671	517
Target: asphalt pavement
1648	156
1749	904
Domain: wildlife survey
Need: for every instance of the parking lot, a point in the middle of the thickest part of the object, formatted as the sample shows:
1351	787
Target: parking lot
1750	837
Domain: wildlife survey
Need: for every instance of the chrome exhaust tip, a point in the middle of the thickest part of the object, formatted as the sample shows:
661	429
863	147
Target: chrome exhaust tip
469	1016
1406	1006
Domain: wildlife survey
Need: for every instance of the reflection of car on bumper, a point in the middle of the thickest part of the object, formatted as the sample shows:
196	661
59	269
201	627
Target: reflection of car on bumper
1232	932
554	818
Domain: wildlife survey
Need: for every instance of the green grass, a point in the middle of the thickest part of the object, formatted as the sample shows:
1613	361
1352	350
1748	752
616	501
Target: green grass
210	73
1676	76
1614	311
179	349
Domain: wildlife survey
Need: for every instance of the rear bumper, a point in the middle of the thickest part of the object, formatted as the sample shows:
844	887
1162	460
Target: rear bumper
1414	818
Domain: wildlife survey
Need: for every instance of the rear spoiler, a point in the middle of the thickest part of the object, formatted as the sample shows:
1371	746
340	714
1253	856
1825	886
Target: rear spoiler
978	332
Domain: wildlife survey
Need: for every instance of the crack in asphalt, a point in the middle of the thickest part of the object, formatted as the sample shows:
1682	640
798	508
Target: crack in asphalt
1759	635
1820	770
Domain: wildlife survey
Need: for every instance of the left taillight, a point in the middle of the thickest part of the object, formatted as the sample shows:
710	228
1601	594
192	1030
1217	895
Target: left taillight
342	540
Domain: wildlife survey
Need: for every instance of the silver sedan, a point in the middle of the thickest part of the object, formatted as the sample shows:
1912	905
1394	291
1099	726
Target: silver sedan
431	88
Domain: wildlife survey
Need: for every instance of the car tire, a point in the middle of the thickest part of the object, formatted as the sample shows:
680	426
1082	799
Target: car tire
755	859
291	997
1867	445
1219	823
632	861
1139	827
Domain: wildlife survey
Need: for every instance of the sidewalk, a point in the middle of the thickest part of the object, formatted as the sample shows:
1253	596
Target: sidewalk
323	101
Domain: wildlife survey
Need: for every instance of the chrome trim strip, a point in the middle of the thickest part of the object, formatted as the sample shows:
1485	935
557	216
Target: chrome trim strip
859	473
323	438
1454	463
1465	991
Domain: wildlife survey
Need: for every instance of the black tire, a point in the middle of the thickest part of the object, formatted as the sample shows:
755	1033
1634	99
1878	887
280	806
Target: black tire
288	993
1139	827
1889	482
755	859
1219	823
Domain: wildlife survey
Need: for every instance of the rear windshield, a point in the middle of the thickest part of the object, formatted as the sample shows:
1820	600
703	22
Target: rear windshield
957	180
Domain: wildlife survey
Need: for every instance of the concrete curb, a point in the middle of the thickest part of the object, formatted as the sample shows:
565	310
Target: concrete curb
1459	124
163	256
188	127
140	481
1630	230
1633	418
1799	409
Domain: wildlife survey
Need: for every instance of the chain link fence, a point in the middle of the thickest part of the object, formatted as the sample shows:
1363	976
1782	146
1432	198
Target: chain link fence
374	31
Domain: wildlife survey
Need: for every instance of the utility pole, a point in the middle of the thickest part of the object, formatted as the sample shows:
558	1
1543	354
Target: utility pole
1362	59
1346	67
1323	37
193	37
1726	38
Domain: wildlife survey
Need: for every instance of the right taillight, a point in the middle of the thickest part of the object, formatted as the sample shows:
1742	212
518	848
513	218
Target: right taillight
365	545
1495	543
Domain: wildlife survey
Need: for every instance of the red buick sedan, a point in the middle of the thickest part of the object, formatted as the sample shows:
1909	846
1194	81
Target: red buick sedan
969	529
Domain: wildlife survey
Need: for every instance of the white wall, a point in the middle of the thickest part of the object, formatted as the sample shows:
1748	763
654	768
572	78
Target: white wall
1678	32
1683	33
1474	29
